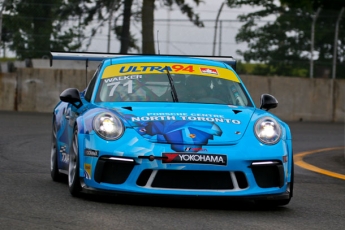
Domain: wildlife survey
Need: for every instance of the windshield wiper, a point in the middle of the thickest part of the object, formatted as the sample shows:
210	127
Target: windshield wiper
171	82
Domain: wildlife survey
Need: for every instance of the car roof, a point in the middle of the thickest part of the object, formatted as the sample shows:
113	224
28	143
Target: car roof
165	59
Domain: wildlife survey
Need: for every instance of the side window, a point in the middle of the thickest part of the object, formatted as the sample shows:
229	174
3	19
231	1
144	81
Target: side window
91	86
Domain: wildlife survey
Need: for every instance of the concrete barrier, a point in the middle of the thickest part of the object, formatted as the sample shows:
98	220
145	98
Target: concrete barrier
339	101
38	90
301	99
64	64
8	87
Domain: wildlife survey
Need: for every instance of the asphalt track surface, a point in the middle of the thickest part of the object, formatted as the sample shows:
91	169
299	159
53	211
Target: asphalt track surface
29	199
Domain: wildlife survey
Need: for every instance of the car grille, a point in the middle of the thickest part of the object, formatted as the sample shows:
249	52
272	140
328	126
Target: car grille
113	172
189	179
268	176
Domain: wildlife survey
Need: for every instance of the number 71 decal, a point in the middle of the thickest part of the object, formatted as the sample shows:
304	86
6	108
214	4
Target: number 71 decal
116	84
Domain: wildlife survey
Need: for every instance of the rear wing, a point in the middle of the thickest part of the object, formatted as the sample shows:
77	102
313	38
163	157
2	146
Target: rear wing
91	56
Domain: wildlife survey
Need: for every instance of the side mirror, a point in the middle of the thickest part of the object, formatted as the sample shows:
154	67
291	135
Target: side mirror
71	95
268	102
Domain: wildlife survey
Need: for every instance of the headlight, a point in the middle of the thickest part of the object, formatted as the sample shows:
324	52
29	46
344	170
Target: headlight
108	126
267	130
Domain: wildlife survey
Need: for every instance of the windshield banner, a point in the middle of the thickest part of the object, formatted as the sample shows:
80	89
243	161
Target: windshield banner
174	68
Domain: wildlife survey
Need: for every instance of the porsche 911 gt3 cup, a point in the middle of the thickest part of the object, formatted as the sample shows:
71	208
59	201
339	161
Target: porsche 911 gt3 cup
170	125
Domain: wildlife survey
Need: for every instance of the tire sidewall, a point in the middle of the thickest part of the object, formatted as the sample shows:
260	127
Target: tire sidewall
74	186
54	170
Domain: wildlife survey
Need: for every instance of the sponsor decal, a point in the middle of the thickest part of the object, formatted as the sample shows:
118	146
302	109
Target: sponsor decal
114	85
122	78
137	69
176	132
64	155
209	71
194	158
191	149
186	114
192	135
87	171
91	153
185	118
159	68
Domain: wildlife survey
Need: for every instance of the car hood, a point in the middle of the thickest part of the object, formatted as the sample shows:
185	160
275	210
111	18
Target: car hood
187	124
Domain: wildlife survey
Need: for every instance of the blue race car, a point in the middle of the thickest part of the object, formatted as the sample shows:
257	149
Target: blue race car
170	125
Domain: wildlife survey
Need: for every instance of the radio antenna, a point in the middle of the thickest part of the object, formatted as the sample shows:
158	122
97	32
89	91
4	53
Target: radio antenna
159	52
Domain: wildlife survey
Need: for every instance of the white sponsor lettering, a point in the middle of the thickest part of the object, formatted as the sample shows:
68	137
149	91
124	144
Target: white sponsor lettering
186	114
92	153
201	158
206	115
154	118
122	78
166	114
65	157
160	117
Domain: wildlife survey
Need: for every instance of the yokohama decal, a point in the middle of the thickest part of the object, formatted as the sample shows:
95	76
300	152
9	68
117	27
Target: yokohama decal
194	158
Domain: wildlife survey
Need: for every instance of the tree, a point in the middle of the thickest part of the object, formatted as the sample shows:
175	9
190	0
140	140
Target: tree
36	27
147	26
103	11
128	40
125	30
284	43
147	18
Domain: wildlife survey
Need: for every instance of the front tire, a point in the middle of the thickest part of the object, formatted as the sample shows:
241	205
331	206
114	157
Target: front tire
73	168
54	169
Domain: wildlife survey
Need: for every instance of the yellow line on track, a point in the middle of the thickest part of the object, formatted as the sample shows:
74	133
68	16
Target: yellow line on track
299	161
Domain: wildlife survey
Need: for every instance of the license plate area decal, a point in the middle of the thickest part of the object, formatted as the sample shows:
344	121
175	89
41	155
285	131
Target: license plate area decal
194	158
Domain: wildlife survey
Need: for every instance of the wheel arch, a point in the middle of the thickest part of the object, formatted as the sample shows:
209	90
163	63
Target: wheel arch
81	127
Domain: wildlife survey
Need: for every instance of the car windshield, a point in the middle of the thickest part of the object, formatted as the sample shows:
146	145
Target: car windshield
190	88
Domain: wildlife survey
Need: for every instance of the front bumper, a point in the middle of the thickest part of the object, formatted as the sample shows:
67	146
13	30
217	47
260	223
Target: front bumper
117	170
90	190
